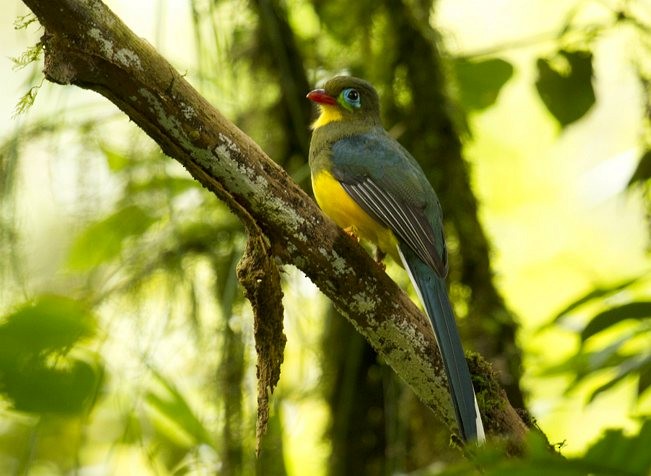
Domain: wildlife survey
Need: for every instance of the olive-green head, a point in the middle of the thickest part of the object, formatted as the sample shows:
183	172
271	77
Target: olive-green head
345	98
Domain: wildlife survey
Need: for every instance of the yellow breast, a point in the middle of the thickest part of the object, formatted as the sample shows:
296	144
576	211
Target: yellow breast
338	205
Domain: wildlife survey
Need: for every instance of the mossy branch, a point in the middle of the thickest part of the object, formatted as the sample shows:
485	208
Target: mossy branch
258	273
88	46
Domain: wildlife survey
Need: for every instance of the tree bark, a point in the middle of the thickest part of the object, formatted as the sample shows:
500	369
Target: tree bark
88	46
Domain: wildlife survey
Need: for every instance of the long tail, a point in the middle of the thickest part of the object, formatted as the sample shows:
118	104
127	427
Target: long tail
433	294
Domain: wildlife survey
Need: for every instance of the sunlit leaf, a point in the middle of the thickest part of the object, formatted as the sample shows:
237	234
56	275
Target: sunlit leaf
47	324
644	381
577	363
630	366
615	454
115	160
37	371
594	294
564	84
584	363
37	387
622	454
611	355
174	416
480	82
643	170
615	315
103	240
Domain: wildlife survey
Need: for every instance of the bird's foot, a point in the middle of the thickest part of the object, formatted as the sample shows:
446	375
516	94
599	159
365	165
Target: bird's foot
350	231
379	257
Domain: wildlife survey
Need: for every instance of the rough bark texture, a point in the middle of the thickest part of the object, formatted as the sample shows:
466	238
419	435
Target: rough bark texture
259	275
88	46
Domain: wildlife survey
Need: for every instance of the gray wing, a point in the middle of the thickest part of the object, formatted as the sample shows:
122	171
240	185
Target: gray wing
394	191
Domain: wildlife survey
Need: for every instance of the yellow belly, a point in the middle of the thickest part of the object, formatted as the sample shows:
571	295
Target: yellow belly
338	205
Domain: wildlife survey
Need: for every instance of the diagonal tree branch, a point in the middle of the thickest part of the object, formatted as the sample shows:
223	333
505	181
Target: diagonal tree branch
88	46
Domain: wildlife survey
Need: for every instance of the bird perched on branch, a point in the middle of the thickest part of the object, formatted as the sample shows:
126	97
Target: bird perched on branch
373	188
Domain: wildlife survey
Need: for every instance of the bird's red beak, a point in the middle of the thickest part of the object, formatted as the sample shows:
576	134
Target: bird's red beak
319	96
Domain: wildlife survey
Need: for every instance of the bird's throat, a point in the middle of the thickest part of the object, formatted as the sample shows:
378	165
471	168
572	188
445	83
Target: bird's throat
328	114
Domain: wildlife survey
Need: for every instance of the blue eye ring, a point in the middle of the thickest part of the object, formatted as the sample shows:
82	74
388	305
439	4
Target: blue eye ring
352	97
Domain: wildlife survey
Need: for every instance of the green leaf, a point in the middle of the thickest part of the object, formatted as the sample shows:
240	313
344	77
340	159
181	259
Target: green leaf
615	315
631	365
173	415
644	381
594	294
643	170
480	82
582	364
622	454
103	240
63	387
564	84
115	160
38	372
48	324
615	454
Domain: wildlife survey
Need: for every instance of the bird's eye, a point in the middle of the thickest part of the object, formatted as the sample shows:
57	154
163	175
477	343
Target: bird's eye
352	97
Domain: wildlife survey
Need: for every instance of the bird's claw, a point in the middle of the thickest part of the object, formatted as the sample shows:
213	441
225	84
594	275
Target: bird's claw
350	231
379	257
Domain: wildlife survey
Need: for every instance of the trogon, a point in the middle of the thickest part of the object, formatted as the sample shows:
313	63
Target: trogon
373	188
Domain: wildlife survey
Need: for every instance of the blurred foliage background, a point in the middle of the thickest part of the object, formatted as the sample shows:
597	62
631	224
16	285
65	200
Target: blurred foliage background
125	343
